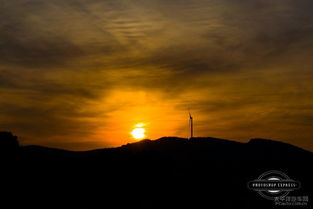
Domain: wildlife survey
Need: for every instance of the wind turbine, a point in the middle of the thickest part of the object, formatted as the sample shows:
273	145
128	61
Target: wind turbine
190	125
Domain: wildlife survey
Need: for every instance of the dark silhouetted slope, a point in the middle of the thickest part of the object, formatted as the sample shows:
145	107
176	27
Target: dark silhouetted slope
166	173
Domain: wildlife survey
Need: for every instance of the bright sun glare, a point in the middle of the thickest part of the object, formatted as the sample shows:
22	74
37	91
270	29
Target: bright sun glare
139	132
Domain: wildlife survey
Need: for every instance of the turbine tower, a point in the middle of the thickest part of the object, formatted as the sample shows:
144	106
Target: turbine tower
190	126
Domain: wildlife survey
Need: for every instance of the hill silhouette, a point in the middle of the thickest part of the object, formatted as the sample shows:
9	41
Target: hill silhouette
169	172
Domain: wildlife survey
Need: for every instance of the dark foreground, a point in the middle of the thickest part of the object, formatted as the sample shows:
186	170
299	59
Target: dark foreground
165	173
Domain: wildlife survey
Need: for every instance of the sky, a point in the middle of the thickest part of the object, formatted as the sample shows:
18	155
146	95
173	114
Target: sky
81	74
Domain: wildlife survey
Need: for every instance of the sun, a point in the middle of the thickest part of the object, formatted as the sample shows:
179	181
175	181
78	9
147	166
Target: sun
139	131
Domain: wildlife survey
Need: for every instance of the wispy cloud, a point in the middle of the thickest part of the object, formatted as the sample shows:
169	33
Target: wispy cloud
236	63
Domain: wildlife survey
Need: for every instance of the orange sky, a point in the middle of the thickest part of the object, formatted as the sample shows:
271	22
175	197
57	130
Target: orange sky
80	75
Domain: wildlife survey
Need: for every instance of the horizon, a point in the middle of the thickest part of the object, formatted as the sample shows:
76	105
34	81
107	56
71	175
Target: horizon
89	74
156	139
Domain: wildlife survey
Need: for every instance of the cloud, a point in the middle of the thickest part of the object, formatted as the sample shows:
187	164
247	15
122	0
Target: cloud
60	59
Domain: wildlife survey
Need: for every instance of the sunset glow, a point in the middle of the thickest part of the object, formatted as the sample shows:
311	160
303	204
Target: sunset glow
81	74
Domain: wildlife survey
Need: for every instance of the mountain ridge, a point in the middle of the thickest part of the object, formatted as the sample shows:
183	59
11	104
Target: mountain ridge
169	172
255	141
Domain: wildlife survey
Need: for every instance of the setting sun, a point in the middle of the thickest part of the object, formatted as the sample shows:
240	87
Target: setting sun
139	131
